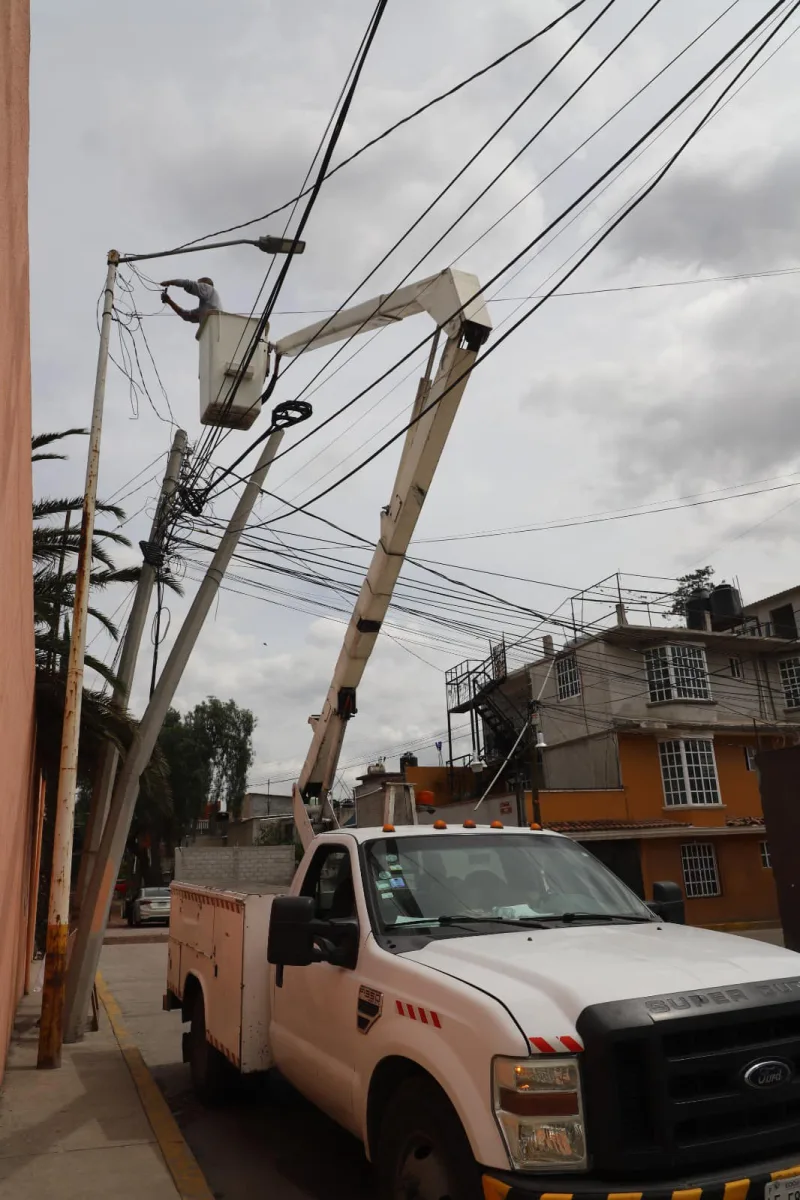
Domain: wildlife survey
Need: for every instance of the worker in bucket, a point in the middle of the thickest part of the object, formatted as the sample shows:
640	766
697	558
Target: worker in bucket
206	293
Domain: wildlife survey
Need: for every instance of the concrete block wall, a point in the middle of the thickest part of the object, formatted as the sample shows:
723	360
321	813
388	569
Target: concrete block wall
235	866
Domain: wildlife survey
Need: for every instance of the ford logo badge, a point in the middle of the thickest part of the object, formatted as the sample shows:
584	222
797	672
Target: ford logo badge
773	1072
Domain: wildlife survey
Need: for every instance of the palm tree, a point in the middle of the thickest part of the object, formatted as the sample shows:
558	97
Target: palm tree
56	541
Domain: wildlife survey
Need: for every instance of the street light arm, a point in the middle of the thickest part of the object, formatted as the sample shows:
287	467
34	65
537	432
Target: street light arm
268	244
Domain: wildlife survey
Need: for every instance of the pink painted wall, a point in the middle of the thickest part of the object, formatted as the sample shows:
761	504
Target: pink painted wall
16	592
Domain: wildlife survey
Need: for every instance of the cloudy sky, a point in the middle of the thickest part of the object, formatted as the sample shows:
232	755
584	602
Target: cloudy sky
154	124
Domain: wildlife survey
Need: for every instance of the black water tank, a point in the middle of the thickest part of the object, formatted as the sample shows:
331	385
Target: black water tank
726	607
697	605
408	760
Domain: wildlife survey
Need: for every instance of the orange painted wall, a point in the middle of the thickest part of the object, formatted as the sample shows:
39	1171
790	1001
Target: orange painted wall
438	780
611	805
748	888
641	781
16	593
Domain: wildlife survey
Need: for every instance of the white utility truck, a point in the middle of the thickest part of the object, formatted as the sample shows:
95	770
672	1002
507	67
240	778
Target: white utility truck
490	1010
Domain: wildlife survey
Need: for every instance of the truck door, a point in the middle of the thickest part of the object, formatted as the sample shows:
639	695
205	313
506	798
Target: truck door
313	1029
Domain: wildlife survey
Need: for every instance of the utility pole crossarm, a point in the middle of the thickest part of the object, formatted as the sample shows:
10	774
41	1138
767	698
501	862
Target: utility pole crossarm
432	416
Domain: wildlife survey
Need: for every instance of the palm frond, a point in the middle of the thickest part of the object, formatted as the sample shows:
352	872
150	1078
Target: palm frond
60	507
105	621
46	439
42	457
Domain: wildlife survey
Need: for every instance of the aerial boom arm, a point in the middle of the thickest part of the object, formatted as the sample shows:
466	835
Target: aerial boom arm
422	448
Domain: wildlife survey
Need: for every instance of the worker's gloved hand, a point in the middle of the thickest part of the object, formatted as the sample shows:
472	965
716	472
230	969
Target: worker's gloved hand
164	296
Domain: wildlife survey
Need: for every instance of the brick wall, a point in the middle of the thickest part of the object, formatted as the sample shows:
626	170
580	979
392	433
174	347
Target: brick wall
239	867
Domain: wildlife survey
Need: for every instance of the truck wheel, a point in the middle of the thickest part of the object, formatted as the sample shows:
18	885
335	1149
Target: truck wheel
423	1152
211	1072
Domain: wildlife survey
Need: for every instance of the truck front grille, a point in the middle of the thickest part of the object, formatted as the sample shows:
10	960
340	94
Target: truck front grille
665	1079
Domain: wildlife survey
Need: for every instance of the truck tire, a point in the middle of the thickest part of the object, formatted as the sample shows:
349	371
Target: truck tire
211	1072
423	1152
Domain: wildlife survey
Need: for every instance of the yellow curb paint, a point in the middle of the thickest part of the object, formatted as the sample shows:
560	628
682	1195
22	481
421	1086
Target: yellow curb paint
624	1196
790	1174
737	1190
687	1194
182	1164
493	1189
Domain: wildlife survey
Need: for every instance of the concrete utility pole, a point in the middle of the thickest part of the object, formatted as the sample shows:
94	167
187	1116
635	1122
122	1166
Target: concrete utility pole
127	665
91	928
50	1030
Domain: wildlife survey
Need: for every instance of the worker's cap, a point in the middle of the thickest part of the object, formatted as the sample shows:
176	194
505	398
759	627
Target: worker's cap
205	279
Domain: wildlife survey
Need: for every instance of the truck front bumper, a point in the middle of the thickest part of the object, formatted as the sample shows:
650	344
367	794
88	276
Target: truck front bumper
742	1183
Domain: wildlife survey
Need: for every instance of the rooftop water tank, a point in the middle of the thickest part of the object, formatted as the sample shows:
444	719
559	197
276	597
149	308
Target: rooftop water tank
408	760
224	341
726	607
697	605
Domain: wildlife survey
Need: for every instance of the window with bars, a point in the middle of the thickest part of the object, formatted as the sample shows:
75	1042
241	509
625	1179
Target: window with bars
700	873
737	670
750	757
677	673
766	861
568	679
689	772
790	681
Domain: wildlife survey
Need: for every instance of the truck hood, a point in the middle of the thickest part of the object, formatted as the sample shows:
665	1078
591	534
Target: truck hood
545	978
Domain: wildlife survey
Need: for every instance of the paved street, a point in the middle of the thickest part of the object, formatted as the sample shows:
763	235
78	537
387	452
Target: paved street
270	1142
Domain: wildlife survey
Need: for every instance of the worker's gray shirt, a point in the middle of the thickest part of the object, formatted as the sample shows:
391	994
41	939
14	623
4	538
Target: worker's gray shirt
206	294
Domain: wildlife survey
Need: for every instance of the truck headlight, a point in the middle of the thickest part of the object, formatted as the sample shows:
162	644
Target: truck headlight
540	1111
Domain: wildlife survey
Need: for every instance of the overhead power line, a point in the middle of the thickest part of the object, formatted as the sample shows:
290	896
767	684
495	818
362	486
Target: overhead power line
451	91
344	108
593	187
494	346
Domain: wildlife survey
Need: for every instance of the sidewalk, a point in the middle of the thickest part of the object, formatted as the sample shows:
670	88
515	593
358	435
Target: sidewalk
98	1127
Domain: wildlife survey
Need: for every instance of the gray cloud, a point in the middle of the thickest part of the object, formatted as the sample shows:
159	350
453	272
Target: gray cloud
743	215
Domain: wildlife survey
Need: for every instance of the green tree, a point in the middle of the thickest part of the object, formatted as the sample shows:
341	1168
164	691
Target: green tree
208	753
693	582
226	732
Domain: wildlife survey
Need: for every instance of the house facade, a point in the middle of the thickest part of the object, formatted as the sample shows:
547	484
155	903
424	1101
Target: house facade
651	743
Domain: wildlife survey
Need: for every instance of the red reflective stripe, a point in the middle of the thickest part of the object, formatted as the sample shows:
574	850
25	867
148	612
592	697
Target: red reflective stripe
571	1044
423	1017
436	1021
541	1045
399	1004
411	1012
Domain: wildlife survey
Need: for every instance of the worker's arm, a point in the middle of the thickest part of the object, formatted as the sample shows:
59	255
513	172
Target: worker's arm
188	285
187	314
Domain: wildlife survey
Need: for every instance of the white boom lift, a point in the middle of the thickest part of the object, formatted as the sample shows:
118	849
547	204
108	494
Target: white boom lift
452	299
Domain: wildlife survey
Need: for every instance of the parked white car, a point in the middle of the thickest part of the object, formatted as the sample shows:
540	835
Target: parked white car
151	905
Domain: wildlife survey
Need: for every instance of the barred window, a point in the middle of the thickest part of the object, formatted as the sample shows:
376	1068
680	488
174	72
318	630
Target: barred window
766	860
737	670
790	681
568	677
750	757
689	772
700	873
677	673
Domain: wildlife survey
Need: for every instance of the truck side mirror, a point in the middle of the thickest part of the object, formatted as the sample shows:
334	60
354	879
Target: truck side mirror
668	903
291	939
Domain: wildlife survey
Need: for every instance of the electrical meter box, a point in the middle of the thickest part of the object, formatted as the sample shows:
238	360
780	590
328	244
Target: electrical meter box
224	340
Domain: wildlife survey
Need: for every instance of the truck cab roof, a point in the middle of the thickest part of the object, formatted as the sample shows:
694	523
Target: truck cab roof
369	833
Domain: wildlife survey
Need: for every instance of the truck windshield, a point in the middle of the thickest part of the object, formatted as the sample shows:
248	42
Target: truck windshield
493	880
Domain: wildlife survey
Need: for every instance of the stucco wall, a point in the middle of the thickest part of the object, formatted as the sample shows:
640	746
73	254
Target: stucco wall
16	599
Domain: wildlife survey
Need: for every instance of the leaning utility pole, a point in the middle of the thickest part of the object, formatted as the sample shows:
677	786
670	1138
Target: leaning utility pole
53	988
131	643
94	915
